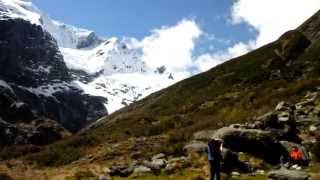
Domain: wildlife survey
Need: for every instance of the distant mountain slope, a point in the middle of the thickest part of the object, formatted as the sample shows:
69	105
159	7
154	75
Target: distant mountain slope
38	100
35	81
232	92
106	67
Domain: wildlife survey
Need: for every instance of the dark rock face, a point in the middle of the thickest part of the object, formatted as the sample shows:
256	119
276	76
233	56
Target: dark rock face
35	82
90	40
39	132
11	109
44	131
29	55
83	76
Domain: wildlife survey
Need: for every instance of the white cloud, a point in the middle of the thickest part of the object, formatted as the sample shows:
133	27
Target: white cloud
271	18
207	61
171	46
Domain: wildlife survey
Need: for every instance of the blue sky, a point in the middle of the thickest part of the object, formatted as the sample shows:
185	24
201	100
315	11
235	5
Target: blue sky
209	31
135	18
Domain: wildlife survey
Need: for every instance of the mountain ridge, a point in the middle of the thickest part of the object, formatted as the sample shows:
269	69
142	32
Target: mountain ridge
190	100
106	62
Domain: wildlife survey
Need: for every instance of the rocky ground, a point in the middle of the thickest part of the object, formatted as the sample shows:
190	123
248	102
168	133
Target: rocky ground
251	151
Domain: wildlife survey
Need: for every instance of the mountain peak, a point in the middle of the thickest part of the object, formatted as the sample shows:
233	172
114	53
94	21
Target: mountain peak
66	35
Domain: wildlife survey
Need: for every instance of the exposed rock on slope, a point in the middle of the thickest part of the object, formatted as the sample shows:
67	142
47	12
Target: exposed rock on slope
40	131
311	27
35	82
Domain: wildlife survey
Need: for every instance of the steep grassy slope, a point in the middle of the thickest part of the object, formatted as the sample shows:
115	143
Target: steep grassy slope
229	93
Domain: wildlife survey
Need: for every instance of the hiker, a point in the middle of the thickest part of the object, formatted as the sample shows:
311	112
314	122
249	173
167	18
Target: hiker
296	156
214	157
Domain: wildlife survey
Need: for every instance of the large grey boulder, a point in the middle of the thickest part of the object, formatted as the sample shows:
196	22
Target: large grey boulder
142	170
155	164
263	144
204	135
285	174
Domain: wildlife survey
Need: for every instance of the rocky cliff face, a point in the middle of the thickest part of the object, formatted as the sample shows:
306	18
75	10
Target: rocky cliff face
311	27
35	82
29	56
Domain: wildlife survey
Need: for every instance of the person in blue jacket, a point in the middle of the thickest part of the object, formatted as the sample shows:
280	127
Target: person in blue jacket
214	157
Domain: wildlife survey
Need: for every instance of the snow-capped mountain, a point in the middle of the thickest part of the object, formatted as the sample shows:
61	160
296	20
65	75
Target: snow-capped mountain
109	68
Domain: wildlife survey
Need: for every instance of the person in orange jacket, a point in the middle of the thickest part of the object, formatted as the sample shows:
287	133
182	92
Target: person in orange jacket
296	156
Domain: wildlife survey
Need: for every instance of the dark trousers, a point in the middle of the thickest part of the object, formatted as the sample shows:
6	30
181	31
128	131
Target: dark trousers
214	166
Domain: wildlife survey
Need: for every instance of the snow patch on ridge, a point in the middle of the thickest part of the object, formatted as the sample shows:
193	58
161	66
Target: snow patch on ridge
20	9
123	89
5	85
126	77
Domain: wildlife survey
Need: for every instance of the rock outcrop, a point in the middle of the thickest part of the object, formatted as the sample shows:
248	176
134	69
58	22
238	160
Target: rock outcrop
311	27
40	131
35	82
284	174
257	142
269	136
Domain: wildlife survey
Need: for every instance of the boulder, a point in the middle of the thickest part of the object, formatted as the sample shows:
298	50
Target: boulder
195	147
105	177
158	156
282	106
141	170
293	43
121	170
205	135
155	165
263	144
284	117
285	174
176	164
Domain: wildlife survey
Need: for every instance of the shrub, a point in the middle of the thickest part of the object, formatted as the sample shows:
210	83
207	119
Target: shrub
4	176
56	155
63	152
18	151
